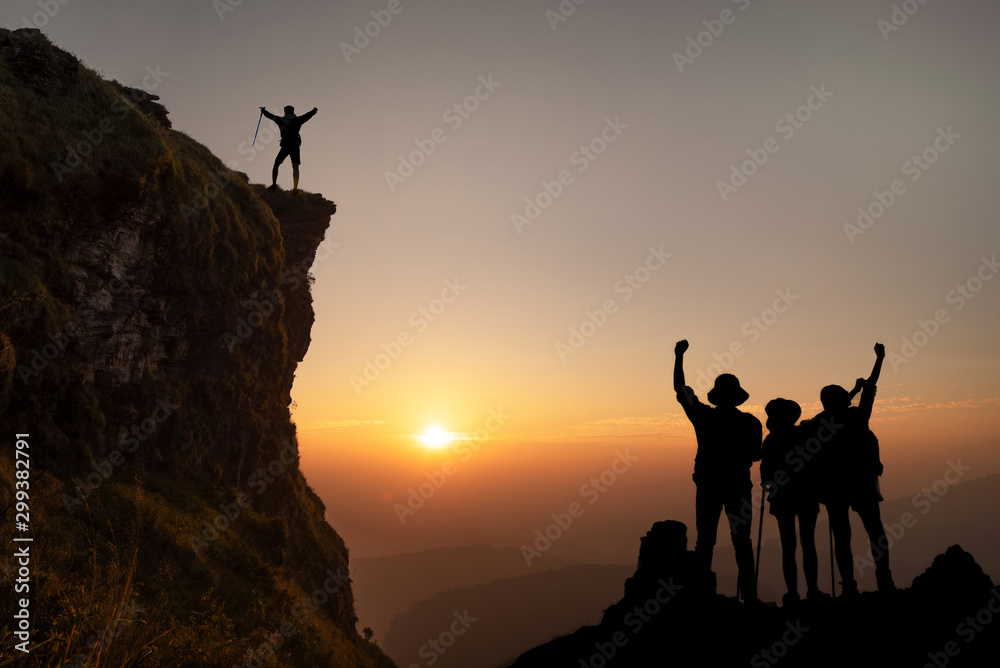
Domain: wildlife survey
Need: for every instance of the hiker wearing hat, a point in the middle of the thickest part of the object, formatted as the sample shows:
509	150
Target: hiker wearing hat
790	483
291	140
849	461
729	441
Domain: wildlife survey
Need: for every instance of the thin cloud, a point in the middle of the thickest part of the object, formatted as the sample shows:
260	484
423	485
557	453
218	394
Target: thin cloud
312	425
908	405
643	425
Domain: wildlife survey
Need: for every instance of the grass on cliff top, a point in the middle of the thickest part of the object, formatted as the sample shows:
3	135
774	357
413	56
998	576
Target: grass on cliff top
80	153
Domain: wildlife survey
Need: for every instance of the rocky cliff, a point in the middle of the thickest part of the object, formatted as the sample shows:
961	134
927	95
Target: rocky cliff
153	308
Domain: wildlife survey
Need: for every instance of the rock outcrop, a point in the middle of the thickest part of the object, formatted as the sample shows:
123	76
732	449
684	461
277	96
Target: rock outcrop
670	615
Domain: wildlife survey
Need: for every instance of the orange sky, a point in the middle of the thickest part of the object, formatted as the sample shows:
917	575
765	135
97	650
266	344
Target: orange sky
637	236
498	489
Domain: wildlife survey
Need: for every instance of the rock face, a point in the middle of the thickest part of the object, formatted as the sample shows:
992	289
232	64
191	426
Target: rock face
44	70
671	616
154	308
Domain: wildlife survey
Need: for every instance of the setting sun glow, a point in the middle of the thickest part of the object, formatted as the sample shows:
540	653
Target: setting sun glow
435	437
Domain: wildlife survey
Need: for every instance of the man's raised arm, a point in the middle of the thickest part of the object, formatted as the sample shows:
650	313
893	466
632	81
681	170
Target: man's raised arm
868	394
268	114
877	369
309	114
859	385
679	349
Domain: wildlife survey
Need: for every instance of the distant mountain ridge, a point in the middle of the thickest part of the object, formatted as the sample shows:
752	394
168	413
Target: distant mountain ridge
389	586
512	614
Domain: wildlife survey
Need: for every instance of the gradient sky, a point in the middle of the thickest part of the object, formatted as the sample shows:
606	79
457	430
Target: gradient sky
892	94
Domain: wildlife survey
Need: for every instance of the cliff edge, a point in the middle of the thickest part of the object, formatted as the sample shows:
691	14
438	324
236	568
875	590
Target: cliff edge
153	308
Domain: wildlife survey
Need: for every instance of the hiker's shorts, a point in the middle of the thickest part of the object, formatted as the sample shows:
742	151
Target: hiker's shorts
285	152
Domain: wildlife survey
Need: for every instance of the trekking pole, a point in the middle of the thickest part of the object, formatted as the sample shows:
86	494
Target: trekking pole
833	585
258	126
760	533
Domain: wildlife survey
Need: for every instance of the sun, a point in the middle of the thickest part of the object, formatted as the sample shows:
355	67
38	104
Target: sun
435	437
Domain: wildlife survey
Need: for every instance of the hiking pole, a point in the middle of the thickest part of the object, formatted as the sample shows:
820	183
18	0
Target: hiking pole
833	582
258	126
760	533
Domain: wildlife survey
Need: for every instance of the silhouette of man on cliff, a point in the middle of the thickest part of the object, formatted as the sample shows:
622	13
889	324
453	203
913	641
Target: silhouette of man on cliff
850	465
289	125
729	441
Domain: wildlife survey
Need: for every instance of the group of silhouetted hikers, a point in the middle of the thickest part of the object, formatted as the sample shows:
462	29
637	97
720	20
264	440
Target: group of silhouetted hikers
830	459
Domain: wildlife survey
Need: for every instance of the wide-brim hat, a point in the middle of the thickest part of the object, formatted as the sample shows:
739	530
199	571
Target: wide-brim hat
727	391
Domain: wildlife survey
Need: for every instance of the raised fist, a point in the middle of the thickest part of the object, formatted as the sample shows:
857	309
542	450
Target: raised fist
879	350
681	347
